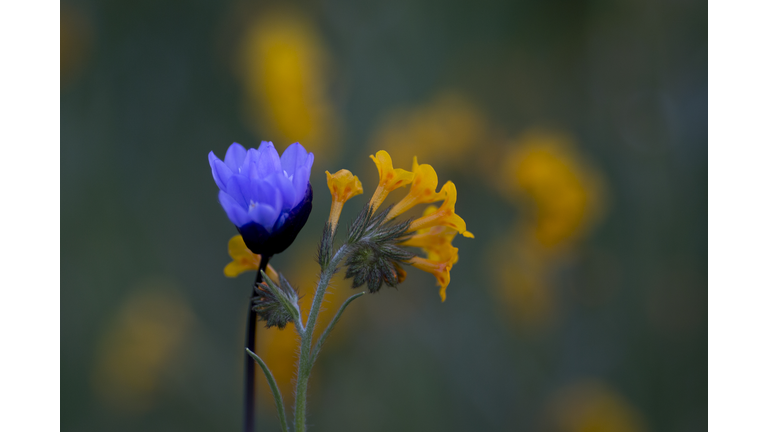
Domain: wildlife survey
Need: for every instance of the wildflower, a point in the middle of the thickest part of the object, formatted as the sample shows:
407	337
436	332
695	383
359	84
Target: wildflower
266	196
440	269
244	260
423	190
343	186
377	241
445	215
434	241
441	255
389	178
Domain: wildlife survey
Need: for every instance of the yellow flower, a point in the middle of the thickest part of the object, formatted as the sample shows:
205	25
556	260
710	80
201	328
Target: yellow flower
389	178
343	186
435	241
441	255
440	269
284	65
244	260
445	215
560	193
423	189
141	346
445	130
591	405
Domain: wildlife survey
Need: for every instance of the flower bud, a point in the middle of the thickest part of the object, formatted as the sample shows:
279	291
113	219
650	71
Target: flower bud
343	186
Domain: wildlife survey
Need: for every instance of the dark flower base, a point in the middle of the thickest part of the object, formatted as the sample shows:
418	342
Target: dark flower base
264	243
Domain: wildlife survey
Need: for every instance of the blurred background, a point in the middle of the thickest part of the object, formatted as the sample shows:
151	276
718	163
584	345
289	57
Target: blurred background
576	132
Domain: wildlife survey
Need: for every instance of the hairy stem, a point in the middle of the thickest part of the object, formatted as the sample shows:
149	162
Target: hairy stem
306	357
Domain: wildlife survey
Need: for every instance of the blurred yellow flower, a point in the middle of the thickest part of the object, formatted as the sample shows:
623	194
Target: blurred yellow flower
526	295
592	406
445	131
390	178
244	260
285	75
561	194
76	39
343	186
140	345
560	197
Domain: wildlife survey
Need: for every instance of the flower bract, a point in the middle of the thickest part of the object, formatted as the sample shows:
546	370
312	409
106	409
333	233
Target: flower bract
267	196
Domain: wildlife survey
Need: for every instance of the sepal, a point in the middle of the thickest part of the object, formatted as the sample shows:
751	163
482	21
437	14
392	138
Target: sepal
277	305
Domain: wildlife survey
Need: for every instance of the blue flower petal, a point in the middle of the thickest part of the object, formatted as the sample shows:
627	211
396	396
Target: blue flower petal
237	188
249	163
264	215
269	160
234	157
221	172
295	155
300	181
264	193
310	160
235	211
280	182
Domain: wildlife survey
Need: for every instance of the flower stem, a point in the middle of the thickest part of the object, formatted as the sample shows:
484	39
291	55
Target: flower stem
306	356
249	398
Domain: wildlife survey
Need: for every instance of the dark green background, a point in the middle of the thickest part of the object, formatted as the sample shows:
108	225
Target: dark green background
627	79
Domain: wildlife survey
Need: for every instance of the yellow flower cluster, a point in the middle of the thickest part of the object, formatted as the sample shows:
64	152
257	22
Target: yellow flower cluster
437	227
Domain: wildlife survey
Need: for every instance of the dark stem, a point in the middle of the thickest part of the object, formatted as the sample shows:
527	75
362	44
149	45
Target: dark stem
249	399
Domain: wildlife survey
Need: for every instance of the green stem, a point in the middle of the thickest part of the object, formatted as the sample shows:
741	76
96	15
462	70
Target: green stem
275	390
328	329
305	358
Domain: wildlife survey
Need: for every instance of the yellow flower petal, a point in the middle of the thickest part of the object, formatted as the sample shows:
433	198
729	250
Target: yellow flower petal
423	190
440	269
445	215
389	178
343	186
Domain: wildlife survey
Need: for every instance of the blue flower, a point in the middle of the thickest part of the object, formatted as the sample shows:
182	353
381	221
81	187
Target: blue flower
266	196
